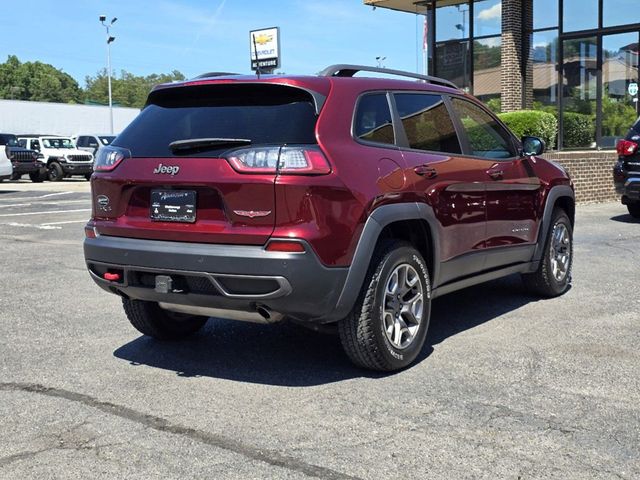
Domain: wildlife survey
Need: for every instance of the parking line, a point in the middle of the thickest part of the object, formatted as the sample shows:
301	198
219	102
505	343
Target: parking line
64	223
39	196
29	225
44	213
50	202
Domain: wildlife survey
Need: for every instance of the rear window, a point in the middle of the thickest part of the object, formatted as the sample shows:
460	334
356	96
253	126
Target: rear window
264	114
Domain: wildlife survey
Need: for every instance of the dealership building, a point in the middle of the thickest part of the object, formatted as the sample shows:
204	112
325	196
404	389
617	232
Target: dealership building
577	59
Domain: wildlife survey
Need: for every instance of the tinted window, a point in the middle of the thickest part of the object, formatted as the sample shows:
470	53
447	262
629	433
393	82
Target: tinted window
106	139
427	123
486	137
636	126
23	143
264	114
373	119
8	139
81	142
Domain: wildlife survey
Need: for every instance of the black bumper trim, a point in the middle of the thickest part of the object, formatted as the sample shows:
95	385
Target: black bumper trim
310	291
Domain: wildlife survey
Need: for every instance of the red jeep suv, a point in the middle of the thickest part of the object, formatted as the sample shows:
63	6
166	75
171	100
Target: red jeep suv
328	199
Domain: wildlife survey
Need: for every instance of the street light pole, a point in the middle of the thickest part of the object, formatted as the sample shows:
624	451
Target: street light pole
110	39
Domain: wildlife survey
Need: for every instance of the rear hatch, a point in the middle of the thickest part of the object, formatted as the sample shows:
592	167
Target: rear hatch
200	161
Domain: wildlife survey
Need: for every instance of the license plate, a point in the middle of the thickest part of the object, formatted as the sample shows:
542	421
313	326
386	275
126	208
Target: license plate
173	206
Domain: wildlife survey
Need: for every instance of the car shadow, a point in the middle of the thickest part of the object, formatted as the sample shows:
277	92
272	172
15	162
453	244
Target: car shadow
2	192
625	219
289	355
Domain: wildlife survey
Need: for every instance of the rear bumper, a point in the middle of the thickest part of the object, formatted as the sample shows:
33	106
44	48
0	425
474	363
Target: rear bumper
226	277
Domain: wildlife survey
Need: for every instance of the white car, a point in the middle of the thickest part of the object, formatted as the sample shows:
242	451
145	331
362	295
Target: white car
6	167
61	156
91	142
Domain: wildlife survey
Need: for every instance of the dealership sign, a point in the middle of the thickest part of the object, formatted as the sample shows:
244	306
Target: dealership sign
264	46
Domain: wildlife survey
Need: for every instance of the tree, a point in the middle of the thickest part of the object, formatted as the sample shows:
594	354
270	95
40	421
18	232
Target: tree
127	89
37	81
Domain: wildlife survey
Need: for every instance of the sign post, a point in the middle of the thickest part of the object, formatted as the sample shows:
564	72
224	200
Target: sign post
264	46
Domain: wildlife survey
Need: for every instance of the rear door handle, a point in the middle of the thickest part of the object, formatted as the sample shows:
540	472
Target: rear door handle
495	174
426	171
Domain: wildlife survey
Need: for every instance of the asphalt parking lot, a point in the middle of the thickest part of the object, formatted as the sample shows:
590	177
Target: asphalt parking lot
508	386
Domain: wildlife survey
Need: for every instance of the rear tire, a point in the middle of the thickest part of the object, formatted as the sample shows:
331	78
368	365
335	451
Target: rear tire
55	172
149	319
634	210
16	176
387	327
87	176
553	276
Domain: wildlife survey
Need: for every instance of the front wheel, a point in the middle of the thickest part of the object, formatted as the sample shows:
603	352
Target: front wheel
87	176
553	276
149	319
55	172
36	177
634	210
387	327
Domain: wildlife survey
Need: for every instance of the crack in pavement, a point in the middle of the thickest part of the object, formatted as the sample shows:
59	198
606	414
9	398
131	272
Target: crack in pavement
162	425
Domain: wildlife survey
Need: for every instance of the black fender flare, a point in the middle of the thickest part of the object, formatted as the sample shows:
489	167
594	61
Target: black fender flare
376	222
554	194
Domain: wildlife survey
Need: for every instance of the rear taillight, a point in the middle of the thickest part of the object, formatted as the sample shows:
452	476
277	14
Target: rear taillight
297	160
109	158
286	246
626	148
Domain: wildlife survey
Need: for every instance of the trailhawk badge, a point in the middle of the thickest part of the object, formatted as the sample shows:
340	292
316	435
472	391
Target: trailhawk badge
166	169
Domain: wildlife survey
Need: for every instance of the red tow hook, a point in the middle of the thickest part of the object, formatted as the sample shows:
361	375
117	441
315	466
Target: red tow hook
112	277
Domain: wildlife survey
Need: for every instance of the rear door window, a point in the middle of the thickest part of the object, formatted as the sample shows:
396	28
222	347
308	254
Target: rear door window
372	122
264	114
427	123
487	138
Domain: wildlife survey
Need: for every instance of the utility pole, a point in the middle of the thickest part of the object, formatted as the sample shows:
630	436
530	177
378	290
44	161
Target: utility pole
110	40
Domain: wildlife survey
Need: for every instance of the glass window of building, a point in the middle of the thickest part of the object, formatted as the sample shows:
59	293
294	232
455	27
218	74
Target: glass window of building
580	70
487	77
487	17
620	12
545	14
619	69
544	57
452	21
426	122
453	62
579	15
373	119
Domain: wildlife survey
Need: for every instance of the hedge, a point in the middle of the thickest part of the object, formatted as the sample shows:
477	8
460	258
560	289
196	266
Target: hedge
533	123
578	130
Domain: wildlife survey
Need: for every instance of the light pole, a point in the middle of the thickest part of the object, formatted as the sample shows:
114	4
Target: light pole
110	39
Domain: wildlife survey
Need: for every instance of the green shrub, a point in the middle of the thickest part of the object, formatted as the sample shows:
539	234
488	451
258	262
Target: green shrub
533	123
495	105
579	130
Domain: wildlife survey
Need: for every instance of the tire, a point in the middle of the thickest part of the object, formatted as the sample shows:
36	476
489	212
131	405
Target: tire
36	177
149	319
16	176
634	210
553	276
55	172
87	176
368	334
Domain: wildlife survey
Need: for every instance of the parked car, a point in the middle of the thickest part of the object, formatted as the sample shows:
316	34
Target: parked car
23	161
328	200
61	157
6	168
90	143
626	172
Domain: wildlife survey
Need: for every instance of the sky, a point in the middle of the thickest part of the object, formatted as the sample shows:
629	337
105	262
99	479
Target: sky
197	36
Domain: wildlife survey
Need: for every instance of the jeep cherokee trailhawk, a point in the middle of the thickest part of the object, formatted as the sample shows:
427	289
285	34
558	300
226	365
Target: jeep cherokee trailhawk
328	199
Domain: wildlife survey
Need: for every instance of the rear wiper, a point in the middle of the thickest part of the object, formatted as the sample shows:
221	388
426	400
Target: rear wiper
205	143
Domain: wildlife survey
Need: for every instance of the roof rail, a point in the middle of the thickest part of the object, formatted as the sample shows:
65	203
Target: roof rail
215	74
345	70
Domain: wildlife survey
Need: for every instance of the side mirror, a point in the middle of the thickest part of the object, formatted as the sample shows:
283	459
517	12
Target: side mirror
532	146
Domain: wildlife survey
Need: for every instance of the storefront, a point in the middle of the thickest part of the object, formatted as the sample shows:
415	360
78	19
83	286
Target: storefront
514	54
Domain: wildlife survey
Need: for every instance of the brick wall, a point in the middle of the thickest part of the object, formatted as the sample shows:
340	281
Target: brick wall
511	68
591	172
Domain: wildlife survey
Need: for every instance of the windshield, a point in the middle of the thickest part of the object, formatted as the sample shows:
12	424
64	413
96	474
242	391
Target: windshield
106	139
57	143
262	114
8	140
